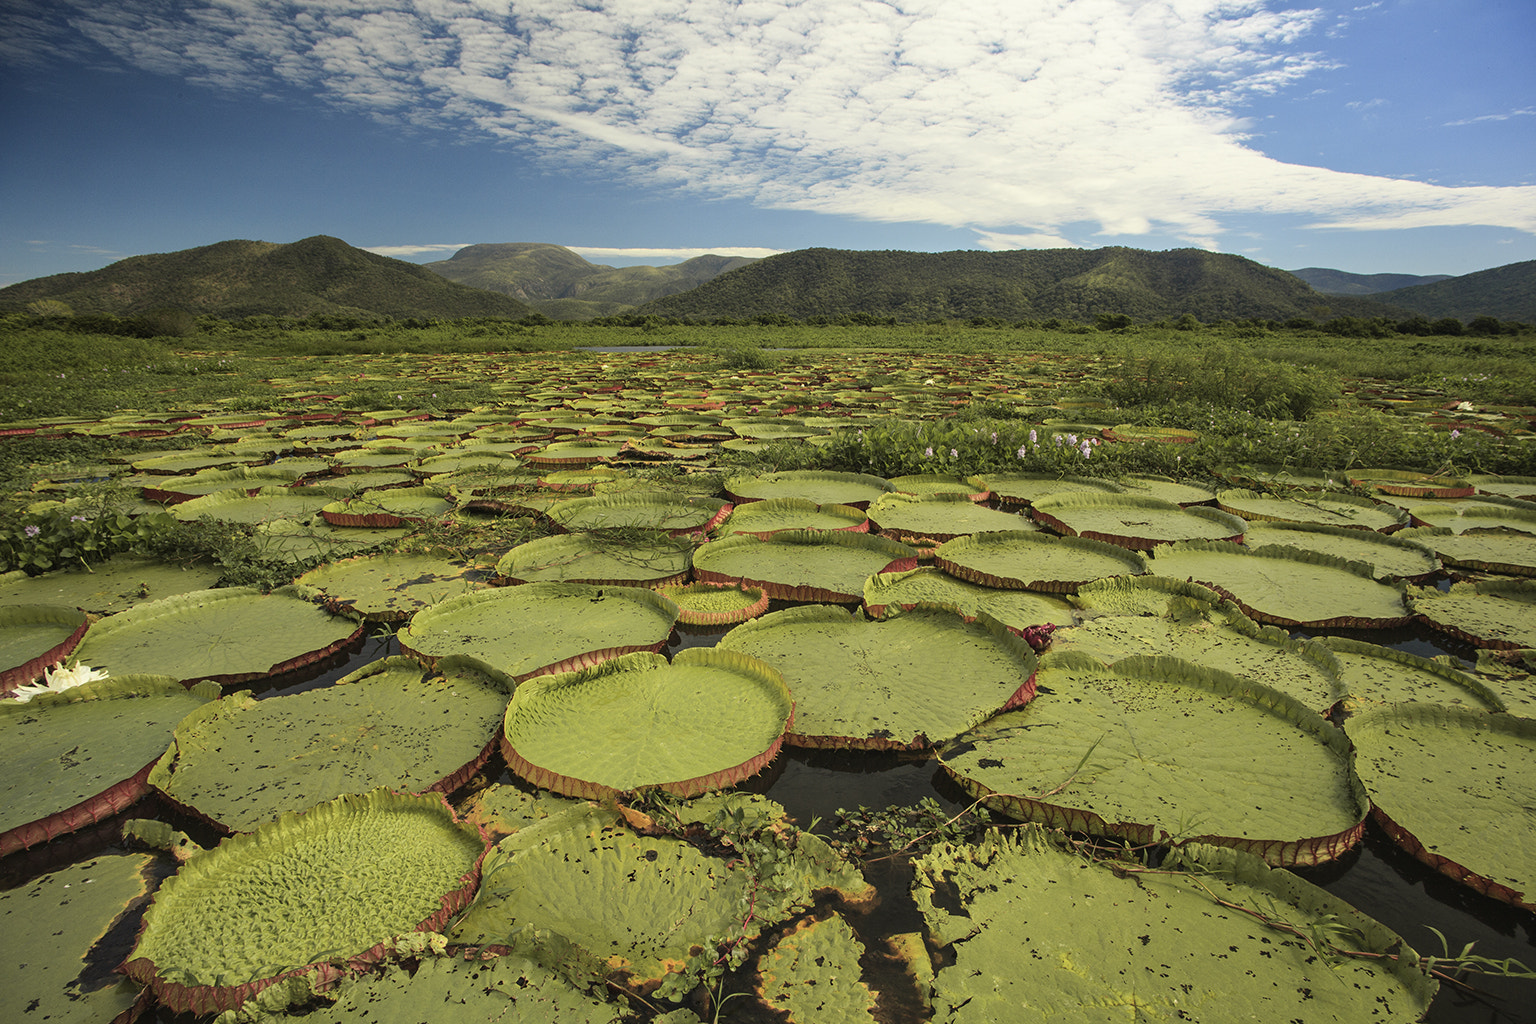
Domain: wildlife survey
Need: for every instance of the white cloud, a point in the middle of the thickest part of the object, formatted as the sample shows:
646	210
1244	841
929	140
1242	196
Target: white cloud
1523	112
599	252
1016	118
398	251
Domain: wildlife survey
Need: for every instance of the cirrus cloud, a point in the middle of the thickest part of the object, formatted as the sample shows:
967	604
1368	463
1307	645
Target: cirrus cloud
1021	119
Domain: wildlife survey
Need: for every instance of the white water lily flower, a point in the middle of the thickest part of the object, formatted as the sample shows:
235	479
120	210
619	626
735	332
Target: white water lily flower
59	679
1464	406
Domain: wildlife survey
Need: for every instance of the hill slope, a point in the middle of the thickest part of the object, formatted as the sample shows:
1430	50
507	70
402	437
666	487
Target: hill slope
559	283
1341	282
1507	292
1076	284
237	278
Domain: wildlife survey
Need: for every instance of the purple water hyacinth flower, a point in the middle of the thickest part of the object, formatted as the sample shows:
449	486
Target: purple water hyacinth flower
929	452
1086	449
1455	434
954	453
994	437
33	531
1034	438
1021	451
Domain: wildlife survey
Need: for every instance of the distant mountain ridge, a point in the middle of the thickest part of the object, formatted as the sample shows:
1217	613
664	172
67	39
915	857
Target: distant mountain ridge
561	284
1507	292
1039	284
240	278
1341	282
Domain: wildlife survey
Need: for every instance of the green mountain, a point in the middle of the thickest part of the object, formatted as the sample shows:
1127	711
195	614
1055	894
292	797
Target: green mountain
1077	284
1341	282
242	278
560	284
1507	292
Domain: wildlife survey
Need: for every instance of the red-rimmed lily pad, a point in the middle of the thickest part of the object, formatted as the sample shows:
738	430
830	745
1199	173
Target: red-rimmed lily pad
394	507
649	560
239	762
230	636
120	582
1322	508
1452	787
707	720
34	637
1408	484
774	515
972	488
1374	675
802	565
1159	750
1391	557
1027	488
1039	932
938	517
267	504
176	489
1135	521
856	489
542	627
1019	610
1497	614
1019	560
1177	491
1287	587
675	514
311	895
1498	550
1477	514
907	682
388	587
710	605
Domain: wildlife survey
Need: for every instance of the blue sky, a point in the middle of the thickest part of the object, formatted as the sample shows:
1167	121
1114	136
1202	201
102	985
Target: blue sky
1388	136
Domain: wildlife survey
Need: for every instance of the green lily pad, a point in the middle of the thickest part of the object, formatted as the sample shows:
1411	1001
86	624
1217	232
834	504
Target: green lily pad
267	504
857	489
1477	514
1497	614
1394	557
1288	587
1322	508
1159	750
1016	609
52	925
811	975
231	635
76	757
177	489
1178	492
240	762
387	587
1045	934
34	637
938	517
393	507
542	627
1161	617
111	586
596	558
907	682
1374	675
287	539
715	604
312	894
773	515
676	514
1135	521
1452	787
1496	550
1035	561
502	808
970	488
802	565
1026	488
707	720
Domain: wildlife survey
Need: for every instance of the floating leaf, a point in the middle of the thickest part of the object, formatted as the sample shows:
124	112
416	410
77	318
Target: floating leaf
1035	561
811	975
1016	609
387	587
802	565
1136	521
1498	614
1394	557
33	638
593	558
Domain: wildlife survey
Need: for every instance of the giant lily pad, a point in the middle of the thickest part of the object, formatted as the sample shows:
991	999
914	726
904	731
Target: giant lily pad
231	635
676	514
52	925
1136	521
812	975
1379	675
1477	514
907	682
770	516
1019	560
33	637
1016	609
542	627
651	559
1390	557
857	489
1045	934
1453	786
715	604
240	762
1287	587
1323	508
315	894
938	517
393	507
76	757
1498	614
1026	488
387	587
1158	616
706	721
267	504
1496	550
802	565
119	582
1159	750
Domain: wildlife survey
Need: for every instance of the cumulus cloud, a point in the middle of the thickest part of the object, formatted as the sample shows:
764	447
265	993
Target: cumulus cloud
1016	118
398	251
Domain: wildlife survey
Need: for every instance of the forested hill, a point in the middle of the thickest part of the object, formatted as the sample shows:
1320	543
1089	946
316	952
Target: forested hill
561	284
1069	284
1507	292
244	278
